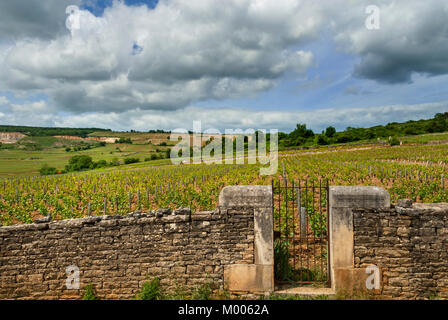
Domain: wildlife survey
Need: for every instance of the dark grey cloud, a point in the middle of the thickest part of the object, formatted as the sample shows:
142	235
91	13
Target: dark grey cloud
33	18
413	38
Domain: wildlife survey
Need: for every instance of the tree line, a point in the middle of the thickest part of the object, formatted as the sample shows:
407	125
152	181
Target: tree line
50	131
303	136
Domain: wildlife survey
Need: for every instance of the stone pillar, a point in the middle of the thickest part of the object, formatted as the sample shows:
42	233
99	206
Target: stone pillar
259	276
342	202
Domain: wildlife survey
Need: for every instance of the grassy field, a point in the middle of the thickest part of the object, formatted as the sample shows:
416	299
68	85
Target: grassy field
28	155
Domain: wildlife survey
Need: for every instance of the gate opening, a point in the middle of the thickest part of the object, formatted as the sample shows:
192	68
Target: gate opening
301	233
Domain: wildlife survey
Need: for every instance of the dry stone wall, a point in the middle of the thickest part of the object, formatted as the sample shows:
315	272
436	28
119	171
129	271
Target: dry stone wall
410	246
117	254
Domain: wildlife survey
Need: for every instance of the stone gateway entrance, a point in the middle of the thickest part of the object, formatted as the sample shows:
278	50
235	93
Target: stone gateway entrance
300	214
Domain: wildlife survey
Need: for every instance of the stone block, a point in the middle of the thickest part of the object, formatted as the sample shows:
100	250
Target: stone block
249	278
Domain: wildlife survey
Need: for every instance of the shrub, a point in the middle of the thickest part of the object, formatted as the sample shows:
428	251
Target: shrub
124	140
114	162
322	140
153	156
282	268
101	164
131	160
78	163
203	292
150	290
90	293
394	142
47	170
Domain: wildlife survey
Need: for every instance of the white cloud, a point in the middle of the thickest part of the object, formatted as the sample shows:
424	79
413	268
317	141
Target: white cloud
3	101
38	113
33	107
191	51
412	38
188	51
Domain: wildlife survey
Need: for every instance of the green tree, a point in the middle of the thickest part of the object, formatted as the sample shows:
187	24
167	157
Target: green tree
47	170
330	131
78	163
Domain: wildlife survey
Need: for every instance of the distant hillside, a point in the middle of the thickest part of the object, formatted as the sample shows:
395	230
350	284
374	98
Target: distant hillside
49	131
302	136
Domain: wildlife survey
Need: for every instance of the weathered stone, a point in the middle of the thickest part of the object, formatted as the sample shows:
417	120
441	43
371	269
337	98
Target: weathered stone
163	212
415	262
404	203
47	219
182	211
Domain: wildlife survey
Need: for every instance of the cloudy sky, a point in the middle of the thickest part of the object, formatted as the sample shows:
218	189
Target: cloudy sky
148	64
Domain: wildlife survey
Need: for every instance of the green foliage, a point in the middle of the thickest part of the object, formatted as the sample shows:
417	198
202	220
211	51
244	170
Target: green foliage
131	160
100	164
322	140
282	268
150	290
203	292
124	140
47	170
394	142
302	136
89	294
84	162
299	136
330	132
46	131
114	162
78	163
158	131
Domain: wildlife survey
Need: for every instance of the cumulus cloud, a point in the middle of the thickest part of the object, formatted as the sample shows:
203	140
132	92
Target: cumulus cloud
3	101
413	38
33	18
188	51
146	68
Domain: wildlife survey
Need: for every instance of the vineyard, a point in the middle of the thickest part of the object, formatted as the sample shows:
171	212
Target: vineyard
416	172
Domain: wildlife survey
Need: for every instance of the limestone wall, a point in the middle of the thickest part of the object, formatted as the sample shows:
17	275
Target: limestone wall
409	245
117	254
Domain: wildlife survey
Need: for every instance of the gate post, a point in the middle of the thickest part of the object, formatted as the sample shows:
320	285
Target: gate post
342	202
259	276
